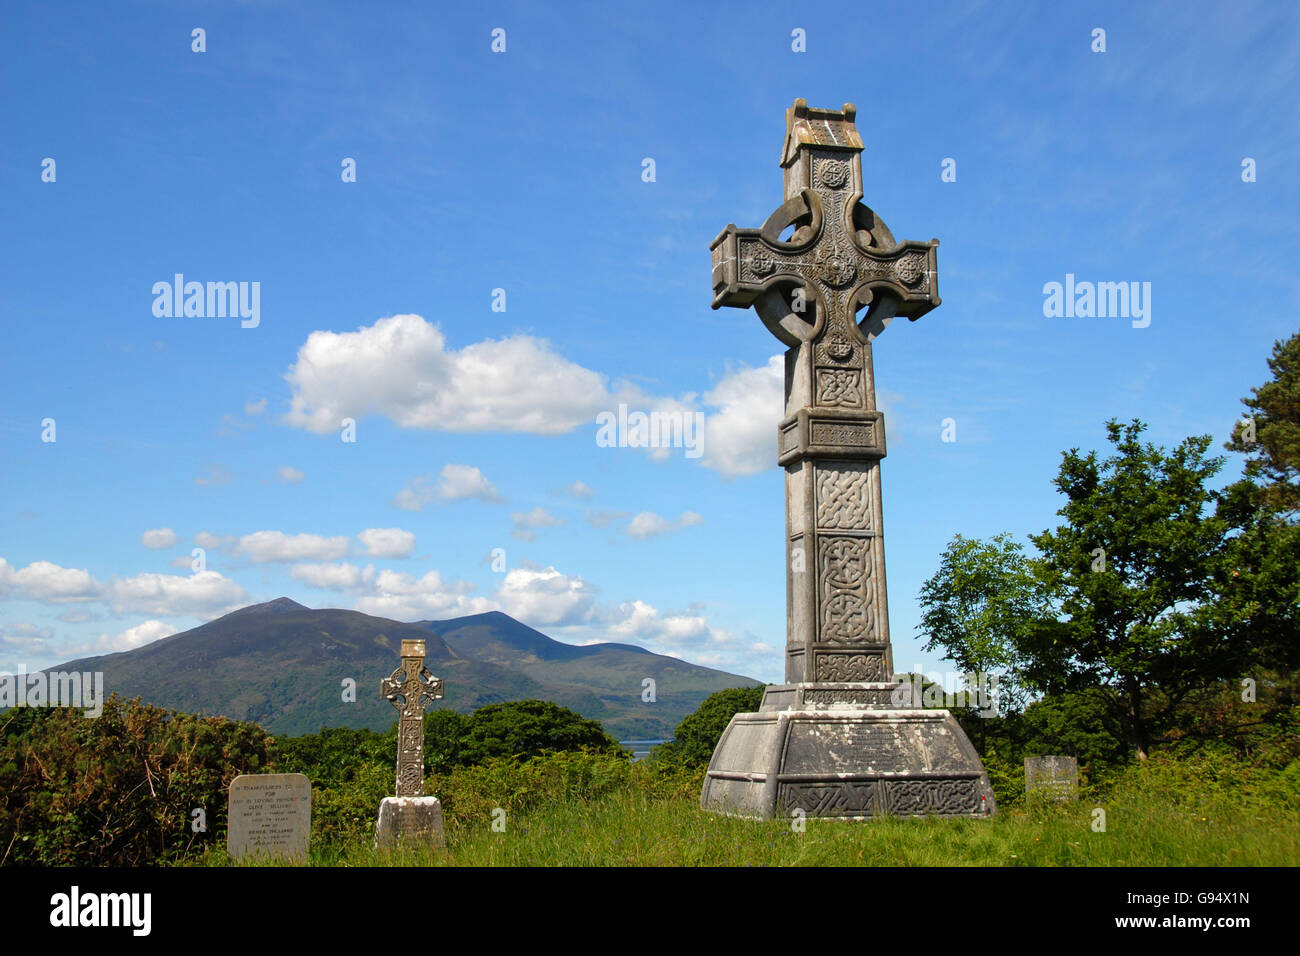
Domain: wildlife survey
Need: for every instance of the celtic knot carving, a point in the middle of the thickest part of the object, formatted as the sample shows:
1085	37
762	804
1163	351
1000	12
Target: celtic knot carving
910	268
850	667
832	173
839	348
837	269
843	499
838	387
942	797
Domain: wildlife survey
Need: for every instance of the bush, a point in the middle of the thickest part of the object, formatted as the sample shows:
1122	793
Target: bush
119	789
697	736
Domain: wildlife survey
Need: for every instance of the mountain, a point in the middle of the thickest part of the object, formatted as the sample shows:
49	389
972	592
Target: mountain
600	681
283	665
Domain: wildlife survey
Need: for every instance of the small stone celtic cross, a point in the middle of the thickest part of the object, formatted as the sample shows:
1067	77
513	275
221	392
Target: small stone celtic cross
407	689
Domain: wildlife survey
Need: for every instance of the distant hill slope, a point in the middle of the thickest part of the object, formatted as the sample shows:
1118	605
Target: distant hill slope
600	681
283	665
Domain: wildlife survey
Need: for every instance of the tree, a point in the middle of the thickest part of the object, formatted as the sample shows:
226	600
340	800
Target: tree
1156	586
975	606
527	728
1270	436
698	734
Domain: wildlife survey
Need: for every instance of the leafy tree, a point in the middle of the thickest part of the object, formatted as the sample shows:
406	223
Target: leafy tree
527	728
697	736
1146	594
1274	448
976	606
444	735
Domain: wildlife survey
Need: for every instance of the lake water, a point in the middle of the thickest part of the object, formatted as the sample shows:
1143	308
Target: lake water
640	748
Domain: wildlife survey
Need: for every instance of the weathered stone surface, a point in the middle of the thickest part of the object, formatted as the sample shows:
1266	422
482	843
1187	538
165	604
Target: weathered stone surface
407	689
410	822
410	817
269	814
850	763
834	740
1057	776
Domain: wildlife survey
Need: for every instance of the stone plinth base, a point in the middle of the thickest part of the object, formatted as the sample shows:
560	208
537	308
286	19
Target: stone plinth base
410	821
842	760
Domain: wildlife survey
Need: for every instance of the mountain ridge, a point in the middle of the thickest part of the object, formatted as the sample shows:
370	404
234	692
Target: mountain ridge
284	665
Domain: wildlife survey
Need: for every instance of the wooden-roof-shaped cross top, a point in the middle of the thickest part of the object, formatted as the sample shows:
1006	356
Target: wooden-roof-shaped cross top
840	256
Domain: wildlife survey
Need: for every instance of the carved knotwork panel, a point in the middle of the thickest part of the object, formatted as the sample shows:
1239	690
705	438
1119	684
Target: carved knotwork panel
843	433
850	667
846	589
830	799
942	797
844	497
839	388
930	797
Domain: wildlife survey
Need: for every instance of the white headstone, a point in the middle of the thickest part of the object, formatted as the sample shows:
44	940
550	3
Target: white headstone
269	815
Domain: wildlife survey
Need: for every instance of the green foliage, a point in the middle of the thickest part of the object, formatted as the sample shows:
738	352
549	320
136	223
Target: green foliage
978	606
697	735
1274	455
526	728
118	789
1210	811
1155	588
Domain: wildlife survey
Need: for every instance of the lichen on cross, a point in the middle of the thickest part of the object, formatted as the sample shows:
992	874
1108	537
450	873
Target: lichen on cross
808	289
407	689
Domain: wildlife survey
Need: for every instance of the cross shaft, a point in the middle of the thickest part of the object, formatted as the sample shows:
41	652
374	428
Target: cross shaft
808	289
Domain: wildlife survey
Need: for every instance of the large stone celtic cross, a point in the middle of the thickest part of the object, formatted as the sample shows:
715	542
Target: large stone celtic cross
407	689
808	289
835	740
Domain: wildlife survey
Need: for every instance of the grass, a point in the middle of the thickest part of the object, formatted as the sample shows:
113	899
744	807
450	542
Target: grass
1149	821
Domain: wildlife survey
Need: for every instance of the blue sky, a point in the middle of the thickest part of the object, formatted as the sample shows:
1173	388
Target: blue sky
522	171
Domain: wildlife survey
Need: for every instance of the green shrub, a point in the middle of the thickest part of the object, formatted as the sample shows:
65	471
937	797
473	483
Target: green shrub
697	736
119	789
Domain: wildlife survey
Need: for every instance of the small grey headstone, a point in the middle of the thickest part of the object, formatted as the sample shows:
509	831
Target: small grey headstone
1059	776
269	814
412	821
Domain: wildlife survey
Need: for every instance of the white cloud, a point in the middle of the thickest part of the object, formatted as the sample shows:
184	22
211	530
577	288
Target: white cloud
255	408
401	368
338	577
455	483
580	490
134	637
267	546
387	542
647	524
203	593
214	475
52	584
527	523
158	538
215	542
740	438
680	633
404	597
603	519
544	596
289	474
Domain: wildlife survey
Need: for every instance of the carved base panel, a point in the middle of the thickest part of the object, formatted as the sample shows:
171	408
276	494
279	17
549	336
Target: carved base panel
878	695
845	762
410	821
